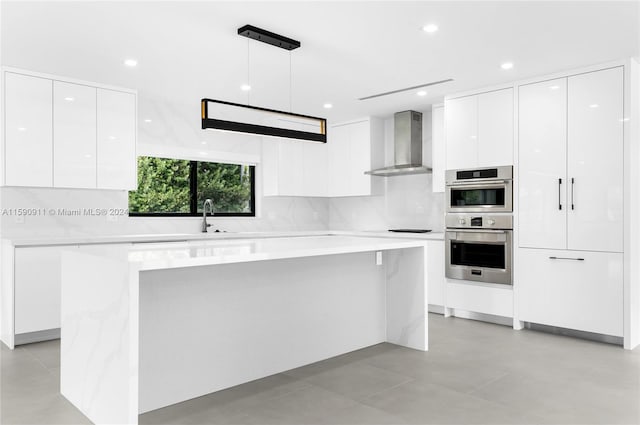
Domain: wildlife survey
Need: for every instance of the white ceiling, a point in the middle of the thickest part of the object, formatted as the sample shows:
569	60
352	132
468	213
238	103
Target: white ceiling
189	50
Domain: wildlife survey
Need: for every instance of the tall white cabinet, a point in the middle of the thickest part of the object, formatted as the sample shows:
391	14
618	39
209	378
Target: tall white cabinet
570	162
571	185
67	133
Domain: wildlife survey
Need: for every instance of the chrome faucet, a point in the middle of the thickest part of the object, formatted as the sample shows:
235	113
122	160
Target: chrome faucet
204	214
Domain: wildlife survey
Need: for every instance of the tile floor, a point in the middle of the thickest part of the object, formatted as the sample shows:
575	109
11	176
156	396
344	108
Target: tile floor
474	373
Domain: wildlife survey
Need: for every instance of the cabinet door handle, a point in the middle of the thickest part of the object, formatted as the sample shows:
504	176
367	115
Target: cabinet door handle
559	194
572	184
566	258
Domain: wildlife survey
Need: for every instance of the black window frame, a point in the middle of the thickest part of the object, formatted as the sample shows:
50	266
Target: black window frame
193	197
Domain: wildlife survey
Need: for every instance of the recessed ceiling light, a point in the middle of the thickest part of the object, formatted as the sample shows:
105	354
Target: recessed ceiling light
624	119
593	105
203	153
327	106
131	62
203	143
245	87
507	65
112	137
22	129
422	93
147	120
554	87
430	28
87	156
69	99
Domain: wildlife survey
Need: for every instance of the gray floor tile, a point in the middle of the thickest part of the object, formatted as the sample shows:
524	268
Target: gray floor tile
357	380
420	402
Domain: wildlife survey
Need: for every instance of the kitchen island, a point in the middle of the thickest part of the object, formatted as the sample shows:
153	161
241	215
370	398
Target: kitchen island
145	327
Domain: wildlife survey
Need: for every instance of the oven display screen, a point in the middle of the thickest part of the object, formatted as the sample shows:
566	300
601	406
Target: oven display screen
477	197
478	255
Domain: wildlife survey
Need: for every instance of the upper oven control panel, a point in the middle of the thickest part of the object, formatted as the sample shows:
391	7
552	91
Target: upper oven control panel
482	221
471	176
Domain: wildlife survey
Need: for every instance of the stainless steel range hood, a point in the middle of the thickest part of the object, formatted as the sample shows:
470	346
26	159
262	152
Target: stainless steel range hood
407	143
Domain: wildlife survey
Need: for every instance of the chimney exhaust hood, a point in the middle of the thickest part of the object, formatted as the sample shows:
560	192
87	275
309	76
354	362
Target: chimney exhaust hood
407	143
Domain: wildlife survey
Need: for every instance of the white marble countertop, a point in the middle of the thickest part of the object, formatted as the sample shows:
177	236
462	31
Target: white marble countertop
181	237
169	255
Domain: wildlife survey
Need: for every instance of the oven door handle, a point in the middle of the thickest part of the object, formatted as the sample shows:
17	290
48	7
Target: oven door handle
483	183
498	231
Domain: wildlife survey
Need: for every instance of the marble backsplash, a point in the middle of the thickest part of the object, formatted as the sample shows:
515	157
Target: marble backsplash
408	202
61	212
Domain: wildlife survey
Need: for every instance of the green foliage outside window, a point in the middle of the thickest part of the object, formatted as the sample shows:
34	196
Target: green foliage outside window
164	187
228	185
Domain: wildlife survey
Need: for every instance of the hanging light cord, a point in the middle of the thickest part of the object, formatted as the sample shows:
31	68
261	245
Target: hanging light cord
248	68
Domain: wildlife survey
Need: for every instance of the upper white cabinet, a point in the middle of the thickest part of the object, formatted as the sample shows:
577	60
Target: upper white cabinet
570	162
116	139
461	125
28	141
495	128
336	168
479	130
63	133
354	148
74	135
294	168
438	148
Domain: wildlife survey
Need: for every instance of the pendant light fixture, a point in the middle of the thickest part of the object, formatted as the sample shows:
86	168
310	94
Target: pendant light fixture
222	115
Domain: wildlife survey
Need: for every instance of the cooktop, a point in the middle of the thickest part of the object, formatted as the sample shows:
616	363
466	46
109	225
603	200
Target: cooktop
410	230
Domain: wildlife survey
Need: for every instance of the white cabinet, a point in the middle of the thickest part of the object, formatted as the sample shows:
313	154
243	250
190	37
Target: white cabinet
336	168
74	135
461	127
37	289
572	289
435	273
542	164
116	140
314	169
28	142
294	168
354	148
595	158
479	130
438	148
67	133
495	128
570	163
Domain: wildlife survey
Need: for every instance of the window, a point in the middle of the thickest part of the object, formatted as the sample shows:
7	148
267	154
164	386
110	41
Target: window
179	187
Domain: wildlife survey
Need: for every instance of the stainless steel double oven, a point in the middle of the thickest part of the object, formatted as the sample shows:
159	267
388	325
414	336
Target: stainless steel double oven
479	222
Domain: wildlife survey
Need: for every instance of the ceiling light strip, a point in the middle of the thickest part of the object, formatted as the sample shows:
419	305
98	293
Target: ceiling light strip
406	89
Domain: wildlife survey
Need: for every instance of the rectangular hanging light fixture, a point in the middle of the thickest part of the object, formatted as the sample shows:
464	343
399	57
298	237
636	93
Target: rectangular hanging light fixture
221	115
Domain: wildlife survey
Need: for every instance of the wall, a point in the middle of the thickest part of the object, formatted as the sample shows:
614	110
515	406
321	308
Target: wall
407	201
